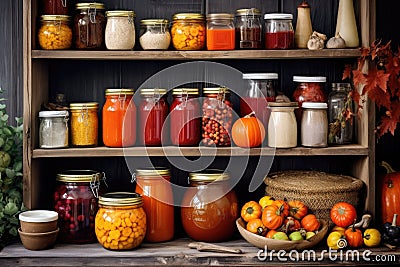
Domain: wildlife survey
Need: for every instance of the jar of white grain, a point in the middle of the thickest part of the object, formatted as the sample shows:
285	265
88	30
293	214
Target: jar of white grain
154	34
120	30
314	124
53	129
282	125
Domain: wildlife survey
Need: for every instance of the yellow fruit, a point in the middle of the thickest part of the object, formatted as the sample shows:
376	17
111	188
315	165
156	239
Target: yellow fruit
372	237
336	240
266	201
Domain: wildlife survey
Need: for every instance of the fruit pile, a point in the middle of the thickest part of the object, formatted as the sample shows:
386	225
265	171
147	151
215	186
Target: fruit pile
280	219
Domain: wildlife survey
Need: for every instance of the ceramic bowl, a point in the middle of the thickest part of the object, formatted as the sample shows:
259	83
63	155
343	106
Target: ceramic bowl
38	241
38	221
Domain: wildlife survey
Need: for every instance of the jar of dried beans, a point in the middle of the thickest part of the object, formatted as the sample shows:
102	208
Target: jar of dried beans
188	31
55	32
217	116
120	30
248	28
84	124
154	34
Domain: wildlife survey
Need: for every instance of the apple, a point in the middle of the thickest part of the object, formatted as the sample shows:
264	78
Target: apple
280	236
295	236
309	235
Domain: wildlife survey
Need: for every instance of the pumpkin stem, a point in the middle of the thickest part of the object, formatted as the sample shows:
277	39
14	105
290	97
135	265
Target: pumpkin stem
252	114
387	166
394	219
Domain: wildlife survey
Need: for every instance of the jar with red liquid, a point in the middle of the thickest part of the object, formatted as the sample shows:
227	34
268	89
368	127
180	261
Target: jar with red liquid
153	184
220	31
56	7
217	116
248	28
75	200
279	33
209	207
153	112
185	117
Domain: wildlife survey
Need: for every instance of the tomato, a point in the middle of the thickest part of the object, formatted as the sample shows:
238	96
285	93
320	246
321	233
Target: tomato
343	214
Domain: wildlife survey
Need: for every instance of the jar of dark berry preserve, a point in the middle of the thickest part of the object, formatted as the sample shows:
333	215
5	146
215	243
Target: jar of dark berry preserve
56	7
248	28
75	200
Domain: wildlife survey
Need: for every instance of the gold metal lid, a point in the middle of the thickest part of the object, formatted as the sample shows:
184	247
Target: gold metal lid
219	16
121	199
55	18
120	91
120	13
183	91
248	12
90	5
79	176
153	91
154	21
87	105
196	16
283	104
153	172
209	175
216	90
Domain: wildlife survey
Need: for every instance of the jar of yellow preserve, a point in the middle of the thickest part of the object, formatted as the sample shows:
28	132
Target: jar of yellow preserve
84	124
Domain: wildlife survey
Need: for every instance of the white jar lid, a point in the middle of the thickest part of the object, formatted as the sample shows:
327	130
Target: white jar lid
260	76
316	105
53	114
38	216
278	16
305	79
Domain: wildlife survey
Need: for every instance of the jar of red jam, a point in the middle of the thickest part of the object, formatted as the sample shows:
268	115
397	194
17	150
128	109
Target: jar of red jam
153	112
248	28
75	200
279	33
56	7
209	207
185	117
217	117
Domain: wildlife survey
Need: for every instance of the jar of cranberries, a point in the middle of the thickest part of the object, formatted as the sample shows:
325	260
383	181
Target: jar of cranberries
75	200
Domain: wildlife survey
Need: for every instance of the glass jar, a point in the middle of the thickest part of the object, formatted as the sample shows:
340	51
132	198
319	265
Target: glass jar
153	110
153	184
188	31
119	118
339	102
279	33
120	221
185	117
56	7
248	28
53	129
55	32
314	124
260	91
75	200
217	117
282	125
120	30
84	124
154	34
209	207
89	26
220	31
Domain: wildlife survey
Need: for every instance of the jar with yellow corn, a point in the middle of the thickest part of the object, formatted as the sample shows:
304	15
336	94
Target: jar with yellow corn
84	124
120	222
188	31
55	32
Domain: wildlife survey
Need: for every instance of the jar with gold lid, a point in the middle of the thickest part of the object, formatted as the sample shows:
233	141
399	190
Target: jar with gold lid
55	32
120	30
154	34
120	223
84	124
248	28
188	31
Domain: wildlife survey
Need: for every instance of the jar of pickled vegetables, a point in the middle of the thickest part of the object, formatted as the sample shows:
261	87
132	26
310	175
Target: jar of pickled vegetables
120	223
55	32
188	31
84	124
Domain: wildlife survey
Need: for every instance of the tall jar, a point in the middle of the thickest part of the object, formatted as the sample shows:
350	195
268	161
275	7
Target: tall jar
56	7
217	117
153	113
279	33
89	26
120	30
120	221
153	184
314	125
303	25
282	125
84	124
209	207
75	200
185	117
55	32
220	31
340	128
188	31
154	34
248	28
53	129
119	118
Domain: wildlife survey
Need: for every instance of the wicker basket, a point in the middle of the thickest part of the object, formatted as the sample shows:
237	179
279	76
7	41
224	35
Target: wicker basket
318	190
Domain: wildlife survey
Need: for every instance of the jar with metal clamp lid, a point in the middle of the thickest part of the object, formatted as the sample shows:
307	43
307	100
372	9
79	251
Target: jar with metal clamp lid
55	32
220	31
53	129
56	7
154	34
188	31
120	30
248	28
84	124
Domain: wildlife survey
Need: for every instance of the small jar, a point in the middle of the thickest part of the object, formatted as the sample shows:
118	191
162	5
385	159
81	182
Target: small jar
185	117
119	118
217	117
84	124
56	7
120	221
188	31
120	30
282	125
55	32
209	207
153	113
340	128
153	184
220	31
89	26
279	33
314	124
248	28
154	34
53	129
75	200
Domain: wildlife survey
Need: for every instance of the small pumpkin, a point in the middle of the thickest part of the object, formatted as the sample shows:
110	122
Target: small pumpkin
343	214
283	206
354	237
250	210
248	131
310	223
336	240
389	194
256	227
272	216
372	237
297	209
266	201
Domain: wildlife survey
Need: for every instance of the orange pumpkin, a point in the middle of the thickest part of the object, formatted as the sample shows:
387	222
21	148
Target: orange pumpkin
248	131
389	194
250	210
297	209
256	227
283	206
343	214
310	223
272	216
354	237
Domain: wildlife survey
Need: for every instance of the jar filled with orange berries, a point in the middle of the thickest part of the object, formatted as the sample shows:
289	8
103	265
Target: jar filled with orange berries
120	222
188	31
55	32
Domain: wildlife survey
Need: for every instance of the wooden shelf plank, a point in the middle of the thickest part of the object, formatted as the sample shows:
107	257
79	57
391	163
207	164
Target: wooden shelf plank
193	55
347	150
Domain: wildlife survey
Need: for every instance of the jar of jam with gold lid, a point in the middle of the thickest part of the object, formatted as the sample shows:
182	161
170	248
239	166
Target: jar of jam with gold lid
55	32
188	31
56	7
84	124
248	28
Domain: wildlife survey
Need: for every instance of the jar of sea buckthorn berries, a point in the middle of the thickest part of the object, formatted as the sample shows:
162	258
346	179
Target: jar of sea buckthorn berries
188	31
55	32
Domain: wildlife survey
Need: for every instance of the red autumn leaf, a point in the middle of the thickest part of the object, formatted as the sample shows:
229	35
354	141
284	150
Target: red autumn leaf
358	78
364	51
387	125
380	98
347	72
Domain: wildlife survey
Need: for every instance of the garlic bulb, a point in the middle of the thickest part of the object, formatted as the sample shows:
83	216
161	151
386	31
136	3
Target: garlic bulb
336	42
316	41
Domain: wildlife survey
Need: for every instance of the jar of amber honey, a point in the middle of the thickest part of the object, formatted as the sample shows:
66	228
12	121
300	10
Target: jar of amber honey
84	124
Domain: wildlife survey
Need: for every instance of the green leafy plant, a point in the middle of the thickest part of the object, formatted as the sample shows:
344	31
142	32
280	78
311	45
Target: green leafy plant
11	202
